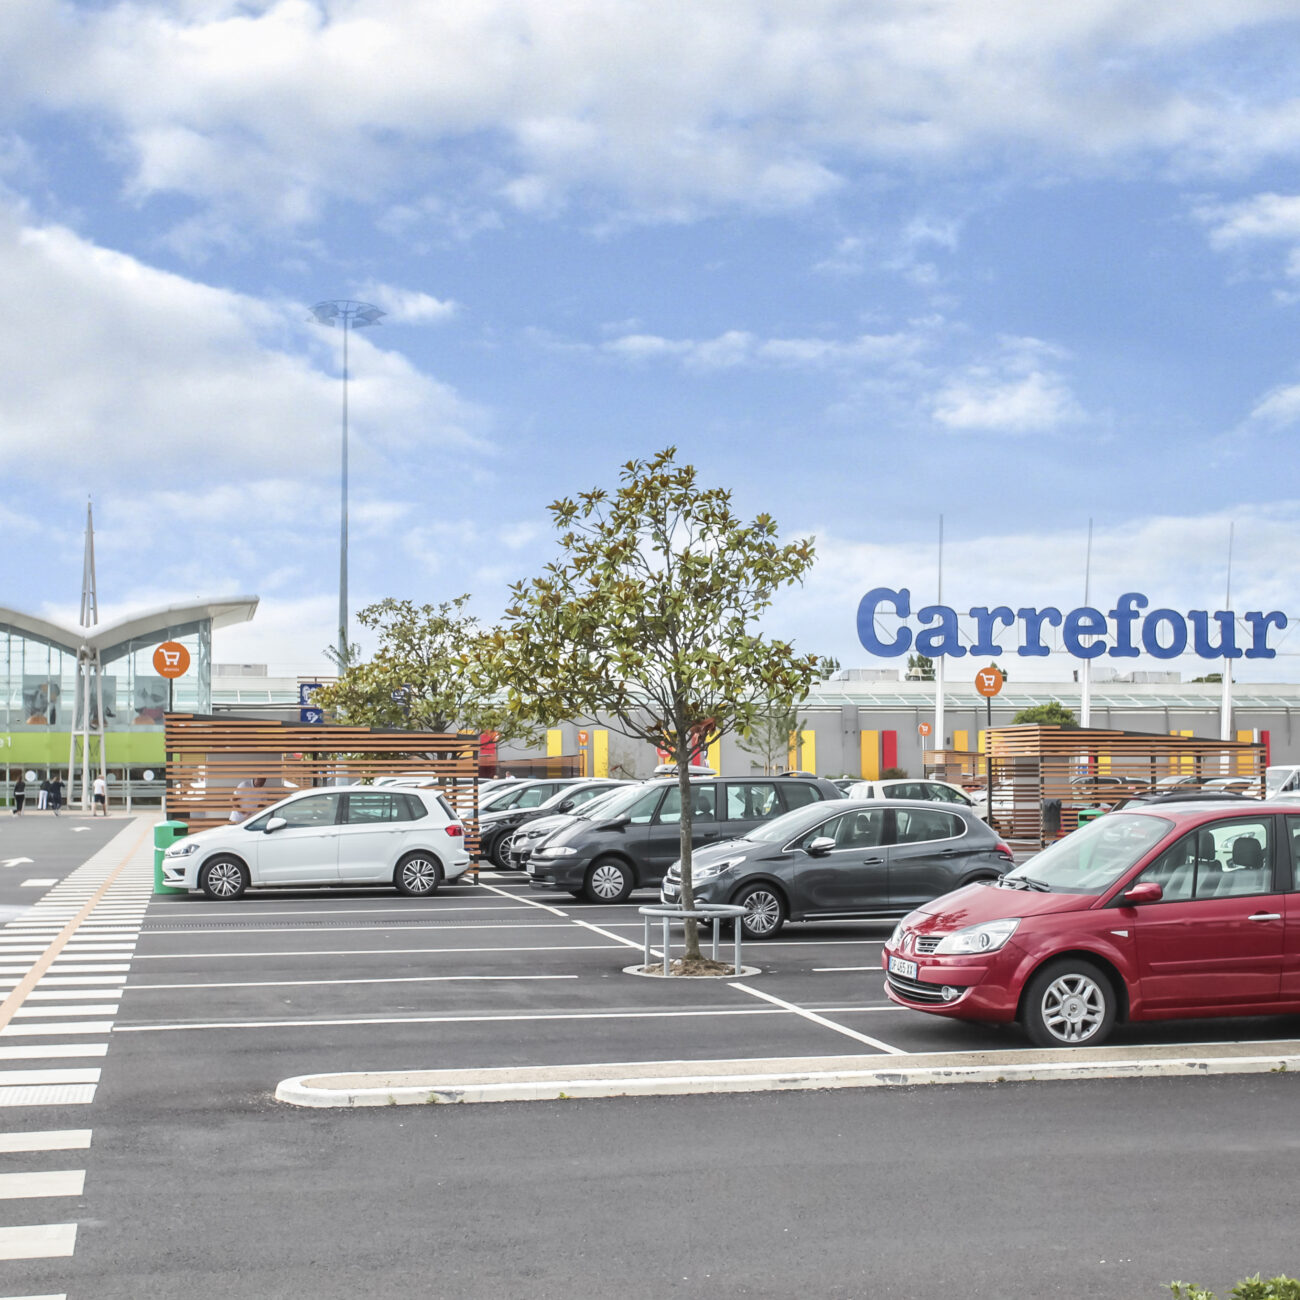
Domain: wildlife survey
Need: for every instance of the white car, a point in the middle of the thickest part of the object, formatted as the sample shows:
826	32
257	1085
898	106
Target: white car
344	835
929	791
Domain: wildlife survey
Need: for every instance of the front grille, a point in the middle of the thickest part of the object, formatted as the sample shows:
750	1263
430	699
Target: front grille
915	990
927	943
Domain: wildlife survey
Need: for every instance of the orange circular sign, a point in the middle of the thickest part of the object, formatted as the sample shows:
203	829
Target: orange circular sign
988	681
171	659
582	737
924	728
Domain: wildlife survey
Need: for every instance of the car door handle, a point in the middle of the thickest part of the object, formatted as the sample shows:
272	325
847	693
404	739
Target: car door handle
1265	916
875	860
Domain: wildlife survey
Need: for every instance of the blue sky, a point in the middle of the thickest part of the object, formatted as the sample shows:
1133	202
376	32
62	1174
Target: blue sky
1019	264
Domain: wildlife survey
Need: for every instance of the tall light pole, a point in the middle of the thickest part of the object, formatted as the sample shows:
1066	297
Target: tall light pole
351	316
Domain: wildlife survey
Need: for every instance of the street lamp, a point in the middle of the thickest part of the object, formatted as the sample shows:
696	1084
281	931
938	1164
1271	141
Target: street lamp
351	316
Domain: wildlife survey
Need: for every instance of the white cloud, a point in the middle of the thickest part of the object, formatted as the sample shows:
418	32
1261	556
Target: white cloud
407	306
1280	408
1264	216
1017	393
111	354
276	106
736	348
1177	561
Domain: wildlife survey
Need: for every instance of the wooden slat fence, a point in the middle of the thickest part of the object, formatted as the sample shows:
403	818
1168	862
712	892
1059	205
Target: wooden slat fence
207	758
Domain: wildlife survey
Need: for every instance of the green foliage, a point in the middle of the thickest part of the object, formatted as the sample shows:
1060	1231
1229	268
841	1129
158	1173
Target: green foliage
768	735
1209	677
648	617
1251	1288
893	773
1054	714
920	667
419	678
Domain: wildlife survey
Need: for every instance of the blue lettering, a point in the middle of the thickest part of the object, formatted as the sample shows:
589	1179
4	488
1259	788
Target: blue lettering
985	618
941	640
1124	615
1084	622
1034	620
1259	625
902	603
1227	647
1177	629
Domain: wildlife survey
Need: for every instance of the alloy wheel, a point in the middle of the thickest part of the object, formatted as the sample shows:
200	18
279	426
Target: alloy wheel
419	875
1073	1008
225	879
762	912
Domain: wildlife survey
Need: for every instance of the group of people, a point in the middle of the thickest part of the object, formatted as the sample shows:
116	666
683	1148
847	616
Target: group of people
50	795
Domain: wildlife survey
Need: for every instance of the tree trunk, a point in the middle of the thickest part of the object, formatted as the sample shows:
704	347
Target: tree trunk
688	812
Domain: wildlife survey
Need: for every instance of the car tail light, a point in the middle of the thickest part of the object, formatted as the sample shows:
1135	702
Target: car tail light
1003	849
455	829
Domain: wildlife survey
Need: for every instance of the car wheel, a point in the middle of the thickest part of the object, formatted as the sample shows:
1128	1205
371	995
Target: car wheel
418	875
499	853
1069	1003
224	878
609	881
765	911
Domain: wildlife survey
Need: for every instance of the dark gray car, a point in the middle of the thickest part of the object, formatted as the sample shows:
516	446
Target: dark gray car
859	859
636	838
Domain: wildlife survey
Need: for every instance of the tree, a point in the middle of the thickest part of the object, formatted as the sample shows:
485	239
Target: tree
920	668
419	679
647	619
1209	677
768	735
1054	714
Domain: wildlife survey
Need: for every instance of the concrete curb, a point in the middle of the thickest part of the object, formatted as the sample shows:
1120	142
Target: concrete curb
679	1078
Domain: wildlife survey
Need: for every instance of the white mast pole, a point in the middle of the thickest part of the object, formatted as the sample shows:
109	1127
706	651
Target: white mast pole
1225	700
938	669
1085	698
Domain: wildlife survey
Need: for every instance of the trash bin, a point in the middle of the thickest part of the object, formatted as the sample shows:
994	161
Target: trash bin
1090	814
165	834
1051	818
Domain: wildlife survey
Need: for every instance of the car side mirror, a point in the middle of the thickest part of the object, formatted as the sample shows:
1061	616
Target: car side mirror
1147	891
566	805
613	824
820	846
275	823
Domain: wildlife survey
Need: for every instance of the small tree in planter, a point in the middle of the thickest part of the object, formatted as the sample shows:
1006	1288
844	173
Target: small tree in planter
647	619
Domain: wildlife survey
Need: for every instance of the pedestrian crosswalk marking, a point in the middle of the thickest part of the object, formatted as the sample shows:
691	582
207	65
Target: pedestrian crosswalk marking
43	1182
38	1241
64	1139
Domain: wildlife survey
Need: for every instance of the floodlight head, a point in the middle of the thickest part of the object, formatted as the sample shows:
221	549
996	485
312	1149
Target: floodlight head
367	315
326	312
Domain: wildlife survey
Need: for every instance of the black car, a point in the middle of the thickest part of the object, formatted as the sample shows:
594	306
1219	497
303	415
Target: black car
636	838
533	834
536	799
872	860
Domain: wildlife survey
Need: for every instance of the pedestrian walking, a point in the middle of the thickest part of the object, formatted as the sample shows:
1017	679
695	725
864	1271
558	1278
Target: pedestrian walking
56	794
43	795
20	793
100	797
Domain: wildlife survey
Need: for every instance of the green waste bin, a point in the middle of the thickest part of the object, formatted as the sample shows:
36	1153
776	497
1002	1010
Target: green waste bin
165	834
1090	814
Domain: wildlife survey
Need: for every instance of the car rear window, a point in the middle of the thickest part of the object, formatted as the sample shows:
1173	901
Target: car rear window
799	794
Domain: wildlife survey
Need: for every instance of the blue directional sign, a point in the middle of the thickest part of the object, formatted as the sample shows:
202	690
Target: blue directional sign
305	690
311	717
308	714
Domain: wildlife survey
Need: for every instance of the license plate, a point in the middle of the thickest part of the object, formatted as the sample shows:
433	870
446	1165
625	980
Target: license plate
907	969
532	869
671	891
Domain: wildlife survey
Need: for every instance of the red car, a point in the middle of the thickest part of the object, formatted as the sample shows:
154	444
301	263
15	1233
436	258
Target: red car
1180	911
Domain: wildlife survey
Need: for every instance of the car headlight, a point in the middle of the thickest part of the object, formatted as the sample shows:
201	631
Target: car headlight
988	937
181	850
896	939
708	870
556	851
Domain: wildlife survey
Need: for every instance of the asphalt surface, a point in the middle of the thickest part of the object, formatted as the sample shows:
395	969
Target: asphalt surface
199	1184
41	846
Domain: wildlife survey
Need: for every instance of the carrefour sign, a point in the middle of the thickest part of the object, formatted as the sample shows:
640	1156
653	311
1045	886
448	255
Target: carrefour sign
1086	633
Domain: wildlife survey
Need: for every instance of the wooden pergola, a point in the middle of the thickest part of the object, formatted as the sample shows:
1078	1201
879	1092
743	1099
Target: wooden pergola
1079	768
208	757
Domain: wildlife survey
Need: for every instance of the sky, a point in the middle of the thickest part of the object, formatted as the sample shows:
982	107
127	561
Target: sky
1021	265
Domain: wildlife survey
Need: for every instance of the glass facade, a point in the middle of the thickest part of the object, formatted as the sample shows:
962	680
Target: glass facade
38	682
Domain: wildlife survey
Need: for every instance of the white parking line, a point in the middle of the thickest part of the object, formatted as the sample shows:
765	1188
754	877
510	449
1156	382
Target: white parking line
45	1182
393	979
825	970
64	1139
51	1052
819	1020
39	1241
374	952
350	929
480	1018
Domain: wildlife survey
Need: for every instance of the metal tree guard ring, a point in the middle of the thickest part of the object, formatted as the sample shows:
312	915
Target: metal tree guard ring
669	912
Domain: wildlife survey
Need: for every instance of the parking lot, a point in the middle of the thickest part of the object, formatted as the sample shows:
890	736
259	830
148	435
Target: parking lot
149	1052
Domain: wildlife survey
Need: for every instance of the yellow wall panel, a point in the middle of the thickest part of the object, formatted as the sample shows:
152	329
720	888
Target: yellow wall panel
808	760
600	753
870	744
961	740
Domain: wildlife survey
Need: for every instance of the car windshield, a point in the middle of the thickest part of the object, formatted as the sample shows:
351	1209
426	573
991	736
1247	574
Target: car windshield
1094	857
791	825
597	806
503	799
619	802
1279	779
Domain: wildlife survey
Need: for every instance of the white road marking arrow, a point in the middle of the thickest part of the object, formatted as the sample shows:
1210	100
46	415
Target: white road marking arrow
75	829
14	862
